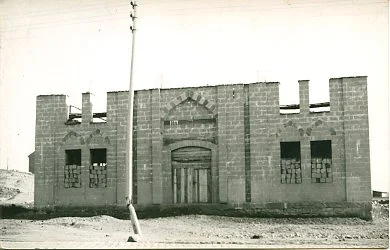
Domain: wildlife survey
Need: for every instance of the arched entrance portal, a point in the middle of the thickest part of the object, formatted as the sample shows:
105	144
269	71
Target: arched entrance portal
191	172
194	172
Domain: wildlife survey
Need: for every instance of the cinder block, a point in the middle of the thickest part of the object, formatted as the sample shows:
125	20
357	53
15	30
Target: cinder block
263	99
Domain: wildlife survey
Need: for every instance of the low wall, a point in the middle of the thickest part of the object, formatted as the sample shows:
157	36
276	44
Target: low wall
307	209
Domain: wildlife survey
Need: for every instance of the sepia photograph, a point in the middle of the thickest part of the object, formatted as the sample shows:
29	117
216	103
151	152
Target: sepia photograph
157	124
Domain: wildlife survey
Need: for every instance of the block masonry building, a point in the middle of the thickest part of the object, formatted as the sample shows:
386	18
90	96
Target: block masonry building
226	145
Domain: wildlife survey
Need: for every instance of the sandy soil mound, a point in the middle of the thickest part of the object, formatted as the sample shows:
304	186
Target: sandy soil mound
70	220
16	187
8	193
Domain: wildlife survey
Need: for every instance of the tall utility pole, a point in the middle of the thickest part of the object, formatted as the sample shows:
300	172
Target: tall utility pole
129	158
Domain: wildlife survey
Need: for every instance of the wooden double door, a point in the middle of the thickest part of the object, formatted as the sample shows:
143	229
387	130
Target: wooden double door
191	173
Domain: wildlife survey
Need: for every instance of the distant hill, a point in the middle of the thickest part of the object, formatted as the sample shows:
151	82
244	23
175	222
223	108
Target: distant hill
16	188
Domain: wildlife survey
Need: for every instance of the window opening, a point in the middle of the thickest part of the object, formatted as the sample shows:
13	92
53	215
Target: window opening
98	168
74	115
290	162
72	169
99	113
319	95
74	109
289	97
321	161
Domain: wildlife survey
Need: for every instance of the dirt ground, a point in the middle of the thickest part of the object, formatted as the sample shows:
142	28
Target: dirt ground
202	229
193	231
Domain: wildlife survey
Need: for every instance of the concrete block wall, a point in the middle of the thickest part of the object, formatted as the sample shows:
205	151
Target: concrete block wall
143	126
51	112
188	117
240	124
357	149
231	143
53	137
116	129
264	114
303	127
157	142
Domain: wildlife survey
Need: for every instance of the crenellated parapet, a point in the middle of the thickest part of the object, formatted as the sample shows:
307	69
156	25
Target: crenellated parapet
231	144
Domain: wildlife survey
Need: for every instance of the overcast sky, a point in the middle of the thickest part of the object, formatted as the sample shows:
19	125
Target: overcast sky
70	47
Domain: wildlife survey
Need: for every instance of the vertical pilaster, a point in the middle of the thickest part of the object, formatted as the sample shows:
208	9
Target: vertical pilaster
112	133
122	112
235	144
357	150
304	106
247	132
86	108
156	148
222	143
305	160
304	96
336	96
264	114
